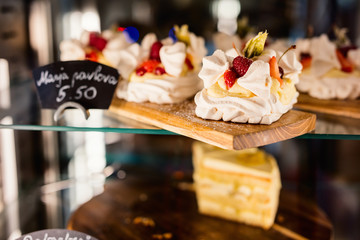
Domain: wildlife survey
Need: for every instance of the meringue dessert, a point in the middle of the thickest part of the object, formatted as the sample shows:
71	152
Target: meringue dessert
242	186
161	71
257	87
329	72
99	47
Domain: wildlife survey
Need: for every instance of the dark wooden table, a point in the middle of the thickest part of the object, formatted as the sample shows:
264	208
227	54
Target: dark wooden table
147	205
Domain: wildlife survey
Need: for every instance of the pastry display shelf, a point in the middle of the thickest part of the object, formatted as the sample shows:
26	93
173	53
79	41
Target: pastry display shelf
20	110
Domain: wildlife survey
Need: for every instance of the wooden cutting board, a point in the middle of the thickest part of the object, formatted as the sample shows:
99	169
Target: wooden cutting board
180	118
149	206
344	108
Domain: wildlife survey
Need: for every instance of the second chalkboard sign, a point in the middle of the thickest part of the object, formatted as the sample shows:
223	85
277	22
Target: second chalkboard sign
90	84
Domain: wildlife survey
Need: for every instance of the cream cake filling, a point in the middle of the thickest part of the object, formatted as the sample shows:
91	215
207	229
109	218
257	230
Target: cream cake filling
255	97
237	185
164	89
324	78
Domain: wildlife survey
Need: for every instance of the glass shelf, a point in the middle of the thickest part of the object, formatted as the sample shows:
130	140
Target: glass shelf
21	111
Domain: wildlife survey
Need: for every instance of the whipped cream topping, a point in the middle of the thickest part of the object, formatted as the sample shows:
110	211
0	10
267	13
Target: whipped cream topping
173	86
75	49
264	108
330	87
354	56
324	79
213	67
196	49
173	57
157	90
289	63
71	50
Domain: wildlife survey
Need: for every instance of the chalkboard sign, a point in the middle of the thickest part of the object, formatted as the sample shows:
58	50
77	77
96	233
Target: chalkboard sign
56	234
88	83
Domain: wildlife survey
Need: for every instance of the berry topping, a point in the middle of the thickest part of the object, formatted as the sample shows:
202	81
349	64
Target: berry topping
95	40
155	51
346	65
345	49
230	77
150	65
305	59
140	71
188	63
92	56
274	70
241	65
159	71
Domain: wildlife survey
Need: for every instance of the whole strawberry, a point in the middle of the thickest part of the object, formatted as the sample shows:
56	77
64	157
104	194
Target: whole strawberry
155	51
241	65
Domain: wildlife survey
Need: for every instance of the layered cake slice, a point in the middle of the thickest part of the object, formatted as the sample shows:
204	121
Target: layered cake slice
243	186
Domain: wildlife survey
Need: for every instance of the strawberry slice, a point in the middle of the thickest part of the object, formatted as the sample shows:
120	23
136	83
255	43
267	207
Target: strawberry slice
230	77
346	65
274	70
150	65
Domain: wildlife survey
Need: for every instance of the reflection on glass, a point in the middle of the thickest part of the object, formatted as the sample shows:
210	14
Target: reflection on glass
40	31
226	11
9	178
4	84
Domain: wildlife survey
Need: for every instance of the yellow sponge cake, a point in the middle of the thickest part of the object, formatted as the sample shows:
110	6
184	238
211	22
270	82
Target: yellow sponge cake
241	185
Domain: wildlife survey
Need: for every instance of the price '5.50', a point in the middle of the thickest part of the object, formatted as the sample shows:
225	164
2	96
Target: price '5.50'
83	91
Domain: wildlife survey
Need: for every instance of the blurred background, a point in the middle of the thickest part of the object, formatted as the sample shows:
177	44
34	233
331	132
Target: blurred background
45	175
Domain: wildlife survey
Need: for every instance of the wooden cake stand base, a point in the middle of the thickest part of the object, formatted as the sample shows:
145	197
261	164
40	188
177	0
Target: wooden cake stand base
149	206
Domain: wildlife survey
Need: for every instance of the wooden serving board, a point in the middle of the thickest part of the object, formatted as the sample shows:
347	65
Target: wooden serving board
168	210
345	108
181	119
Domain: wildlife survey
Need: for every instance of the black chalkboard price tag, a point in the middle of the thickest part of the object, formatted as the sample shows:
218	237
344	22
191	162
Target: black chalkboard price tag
56	234
87	83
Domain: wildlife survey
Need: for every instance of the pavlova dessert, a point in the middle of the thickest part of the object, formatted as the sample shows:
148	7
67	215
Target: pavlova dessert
330	71
256	87
99	47
161	71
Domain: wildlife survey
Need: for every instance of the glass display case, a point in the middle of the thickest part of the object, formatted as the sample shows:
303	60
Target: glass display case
49	168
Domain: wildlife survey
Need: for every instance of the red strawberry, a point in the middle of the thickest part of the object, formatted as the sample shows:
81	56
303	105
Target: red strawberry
140	71
155	51
159	71
241	65
150	65
346	65
230	77
101	43
95	40
92	38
